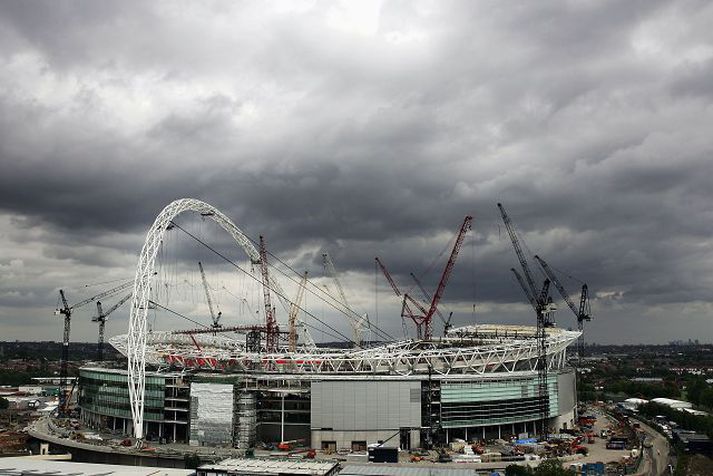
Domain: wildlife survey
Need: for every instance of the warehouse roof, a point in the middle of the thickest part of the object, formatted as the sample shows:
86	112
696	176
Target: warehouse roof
17	466
382	470
265	467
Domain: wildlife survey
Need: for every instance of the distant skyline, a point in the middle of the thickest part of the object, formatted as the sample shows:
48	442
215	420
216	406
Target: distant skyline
363	129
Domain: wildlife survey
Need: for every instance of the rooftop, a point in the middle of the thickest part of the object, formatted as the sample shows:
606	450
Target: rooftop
383	470
18	466
271	467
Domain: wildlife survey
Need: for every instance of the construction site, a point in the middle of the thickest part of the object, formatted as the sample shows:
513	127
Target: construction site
268	387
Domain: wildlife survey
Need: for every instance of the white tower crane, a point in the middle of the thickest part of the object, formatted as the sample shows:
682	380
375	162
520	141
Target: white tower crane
215	317
355	320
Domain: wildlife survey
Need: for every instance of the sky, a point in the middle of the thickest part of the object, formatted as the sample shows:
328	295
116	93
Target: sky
361	129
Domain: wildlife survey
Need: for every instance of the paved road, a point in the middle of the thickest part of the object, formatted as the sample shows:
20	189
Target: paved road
656	458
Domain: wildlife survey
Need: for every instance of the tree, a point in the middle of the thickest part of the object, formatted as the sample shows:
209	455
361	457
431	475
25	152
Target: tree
552	467
548	467
695	389
517	470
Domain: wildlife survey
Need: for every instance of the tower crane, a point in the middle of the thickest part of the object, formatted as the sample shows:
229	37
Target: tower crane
424	328
355	320
544	308
101	319
583	312
294	310
272	331
214	317
518	250
445	276
406	311
428	297
66	310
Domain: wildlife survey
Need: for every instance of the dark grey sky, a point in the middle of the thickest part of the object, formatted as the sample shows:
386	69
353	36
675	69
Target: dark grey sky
365	128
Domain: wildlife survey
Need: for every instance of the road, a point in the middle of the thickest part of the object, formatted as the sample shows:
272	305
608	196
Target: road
656	458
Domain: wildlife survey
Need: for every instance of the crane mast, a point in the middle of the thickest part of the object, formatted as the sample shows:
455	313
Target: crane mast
101	319
66	310
585	312
294	310
544	307
215	318
271	330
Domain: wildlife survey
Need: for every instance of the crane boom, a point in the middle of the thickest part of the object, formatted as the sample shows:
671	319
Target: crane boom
426	296
113	308
388	277
215	318
444	277
582	313
525	289
518	250
405	308
101	319
553	278
354	319
109	292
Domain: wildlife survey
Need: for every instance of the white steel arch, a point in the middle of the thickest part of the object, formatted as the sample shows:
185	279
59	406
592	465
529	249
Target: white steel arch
136	338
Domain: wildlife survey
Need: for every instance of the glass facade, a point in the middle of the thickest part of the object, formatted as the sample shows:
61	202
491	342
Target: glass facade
495	401
107	393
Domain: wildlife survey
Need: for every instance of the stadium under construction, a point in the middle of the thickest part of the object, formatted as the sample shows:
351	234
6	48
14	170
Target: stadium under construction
259	384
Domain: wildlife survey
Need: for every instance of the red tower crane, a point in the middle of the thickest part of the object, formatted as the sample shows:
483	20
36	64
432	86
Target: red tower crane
444	277
406	311
424	328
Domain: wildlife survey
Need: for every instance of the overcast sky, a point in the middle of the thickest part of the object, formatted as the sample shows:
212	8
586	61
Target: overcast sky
363	128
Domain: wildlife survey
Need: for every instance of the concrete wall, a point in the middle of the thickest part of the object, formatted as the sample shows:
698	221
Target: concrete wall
567	393
364	405
211	414
343	439
567	390
346	411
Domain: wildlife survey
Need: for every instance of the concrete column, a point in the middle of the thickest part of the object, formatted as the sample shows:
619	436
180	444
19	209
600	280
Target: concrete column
447	436
499	432
466	433
282	420
483	433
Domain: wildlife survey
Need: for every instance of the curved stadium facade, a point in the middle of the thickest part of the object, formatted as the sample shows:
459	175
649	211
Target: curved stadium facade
479	381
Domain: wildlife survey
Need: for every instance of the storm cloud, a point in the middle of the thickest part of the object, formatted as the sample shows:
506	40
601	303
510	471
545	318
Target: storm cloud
366	129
